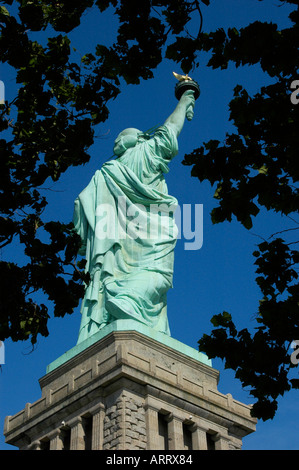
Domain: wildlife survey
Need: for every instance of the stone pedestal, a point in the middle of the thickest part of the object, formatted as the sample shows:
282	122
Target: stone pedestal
130	389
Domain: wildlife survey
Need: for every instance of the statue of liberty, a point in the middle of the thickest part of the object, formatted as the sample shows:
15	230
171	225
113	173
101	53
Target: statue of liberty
125	218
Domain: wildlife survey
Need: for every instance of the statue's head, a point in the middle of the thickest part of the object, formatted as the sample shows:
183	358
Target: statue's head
126	139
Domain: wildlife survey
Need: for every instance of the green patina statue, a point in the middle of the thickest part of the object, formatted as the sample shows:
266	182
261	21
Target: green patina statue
125	218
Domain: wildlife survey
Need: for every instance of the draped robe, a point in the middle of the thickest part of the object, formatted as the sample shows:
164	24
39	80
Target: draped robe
125	218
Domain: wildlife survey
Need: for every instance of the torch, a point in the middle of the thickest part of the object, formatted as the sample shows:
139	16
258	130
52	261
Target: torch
186	83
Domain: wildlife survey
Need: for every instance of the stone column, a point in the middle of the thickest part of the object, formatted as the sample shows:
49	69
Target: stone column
98	429
175	433
221	442
152	427
199	438
77	435
35	445
56	442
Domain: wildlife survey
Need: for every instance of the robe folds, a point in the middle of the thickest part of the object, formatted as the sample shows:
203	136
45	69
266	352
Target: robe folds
125	218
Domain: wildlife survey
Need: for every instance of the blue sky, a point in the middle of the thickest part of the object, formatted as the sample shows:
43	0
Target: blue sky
220	276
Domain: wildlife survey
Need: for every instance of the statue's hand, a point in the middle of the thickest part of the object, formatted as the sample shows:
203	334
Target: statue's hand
188	97
189	114
189	101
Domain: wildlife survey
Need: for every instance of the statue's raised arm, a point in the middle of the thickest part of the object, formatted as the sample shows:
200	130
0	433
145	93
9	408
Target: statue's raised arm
183	109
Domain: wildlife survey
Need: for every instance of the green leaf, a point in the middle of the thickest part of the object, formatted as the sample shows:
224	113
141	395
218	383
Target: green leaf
247	222
223	319
4	11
